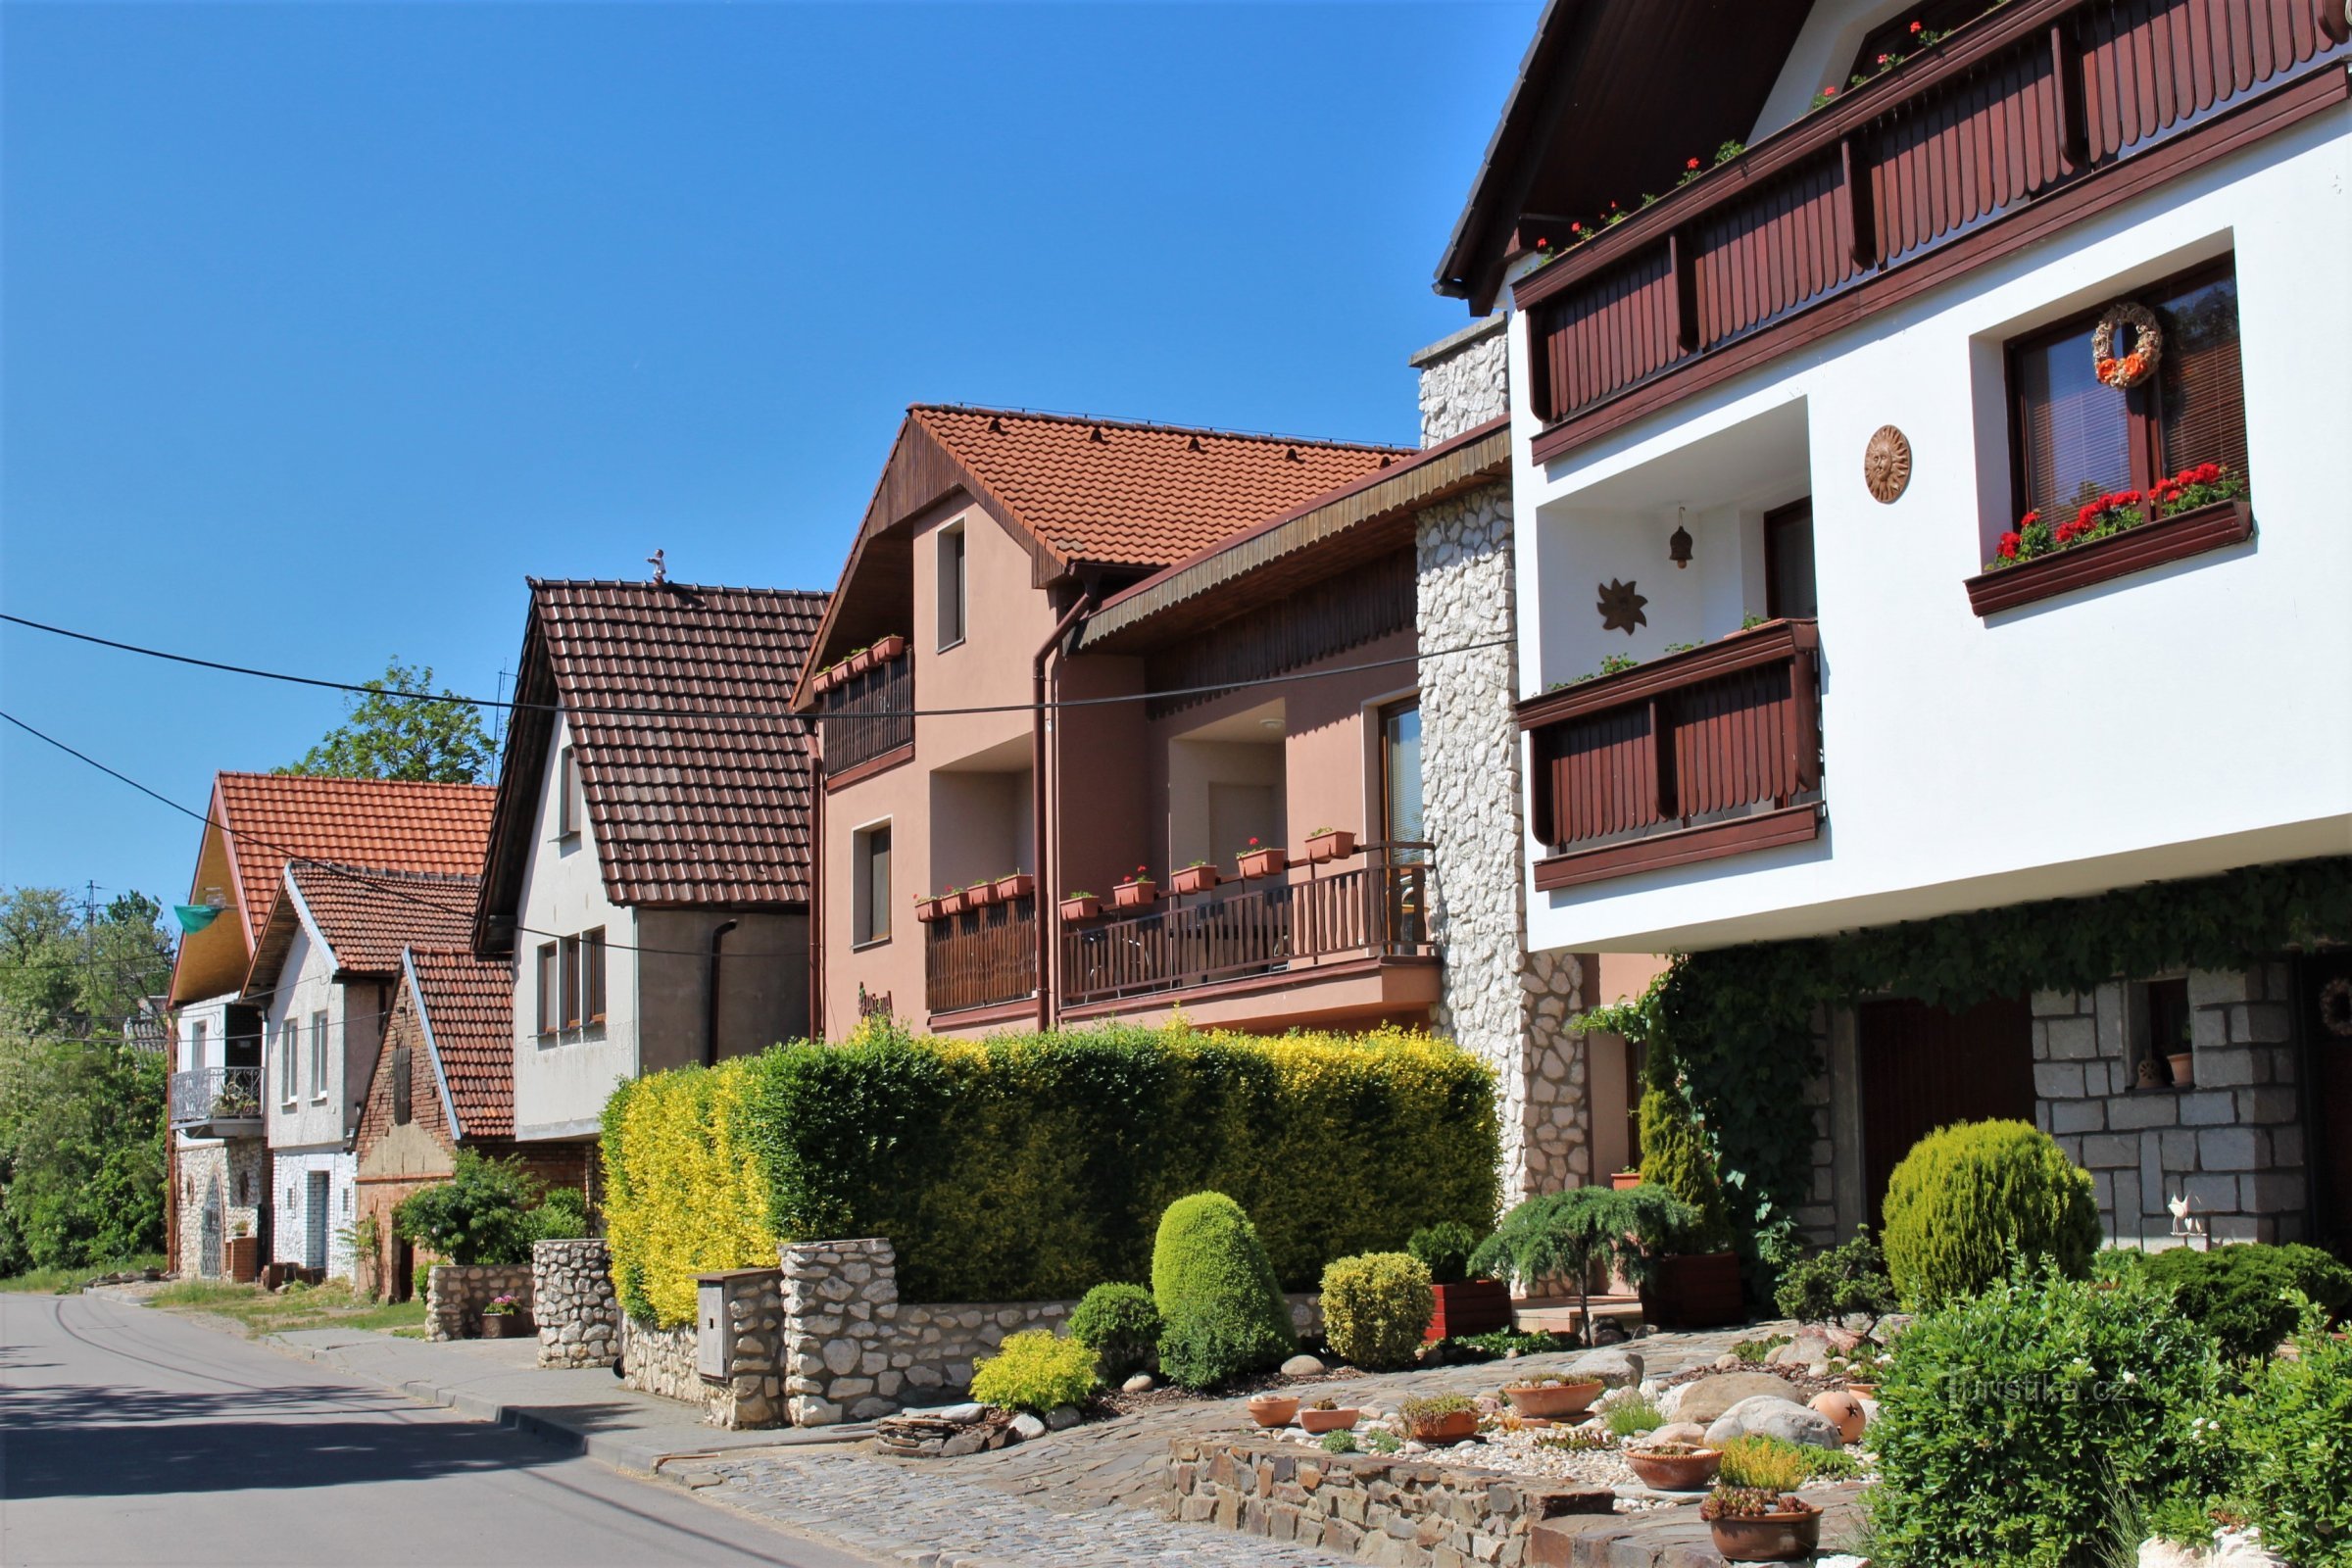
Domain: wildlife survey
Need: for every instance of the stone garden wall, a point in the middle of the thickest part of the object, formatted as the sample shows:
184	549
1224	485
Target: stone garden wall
668	1361
1370	1509
571	1297
457	1292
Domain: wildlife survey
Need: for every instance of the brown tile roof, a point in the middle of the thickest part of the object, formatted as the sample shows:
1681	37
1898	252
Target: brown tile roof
367	916
1138	494
351	821
469	1009
684	810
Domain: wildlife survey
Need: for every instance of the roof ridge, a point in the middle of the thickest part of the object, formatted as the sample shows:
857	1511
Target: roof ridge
453	878
1053	416
537	583
308	779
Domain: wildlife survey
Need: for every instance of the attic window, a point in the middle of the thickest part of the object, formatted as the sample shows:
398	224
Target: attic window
951	586
570	809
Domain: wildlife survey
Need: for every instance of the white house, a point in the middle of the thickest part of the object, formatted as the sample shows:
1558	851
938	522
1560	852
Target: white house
1807	337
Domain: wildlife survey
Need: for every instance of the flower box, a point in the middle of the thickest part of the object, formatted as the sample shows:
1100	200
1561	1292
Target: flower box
1625	1181
1141	894
508	1326
1474	1306
930	908
1193	879
859	663
889	648
2149	545
1335	845
955	900
1083	906
1262	862
1019	885
980	895
821	682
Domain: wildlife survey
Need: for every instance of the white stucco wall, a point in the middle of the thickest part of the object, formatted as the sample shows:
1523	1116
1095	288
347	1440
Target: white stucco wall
289	1193
313	1117
561	1084
2175	722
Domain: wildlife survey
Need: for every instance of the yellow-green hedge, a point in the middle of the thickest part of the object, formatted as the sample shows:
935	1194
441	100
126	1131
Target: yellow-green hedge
1031	1167
682	1196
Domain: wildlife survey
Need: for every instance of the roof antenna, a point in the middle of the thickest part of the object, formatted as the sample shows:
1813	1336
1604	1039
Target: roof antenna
661	572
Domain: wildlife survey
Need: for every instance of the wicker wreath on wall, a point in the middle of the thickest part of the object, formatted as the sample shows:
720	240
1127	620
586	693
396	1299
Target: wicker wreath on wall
2136	362
2335	1007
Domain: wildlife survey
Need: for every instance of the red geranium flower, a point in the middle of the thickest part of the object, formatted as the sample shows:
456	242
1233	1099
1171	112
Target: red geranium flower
1884	59
1831	91
1915	27
2009	544
1692	164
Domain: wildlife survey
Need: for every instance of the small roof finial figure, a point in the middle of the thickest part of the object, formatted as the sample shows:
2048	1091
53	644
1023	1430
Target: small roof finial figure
661	572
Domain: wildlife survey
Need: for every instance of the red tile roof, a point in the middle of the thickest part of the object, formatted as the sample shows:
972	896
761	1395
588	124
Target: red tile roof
1142	495
351	821
367	917
468	1011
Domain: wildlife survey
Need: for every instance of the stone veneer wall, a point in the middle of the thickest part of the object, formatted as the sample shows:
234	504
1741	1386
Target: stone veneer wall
1466	380
2234	1141
668	1361
456	1294
1406	1511
239	1166
1500	1001
572	1300
852	1351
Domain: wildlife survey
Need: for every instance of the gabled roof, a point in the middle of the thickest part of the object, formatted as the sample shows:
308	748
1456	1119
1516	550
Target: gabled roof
684	809
258	820
465	1009
364	918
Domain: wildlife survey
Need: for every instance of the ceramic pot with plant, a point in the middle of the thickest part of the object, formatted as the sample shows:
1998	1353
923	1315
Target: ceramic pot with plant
1198	877
1330	844
955	902
1625	1181
860	660
1553	1398
1273	1409
1015	885
1080	906
1439	1418
1675	1466
889	648
1256	860
929	908
1137	891
1327	1415
505	1319
1754	1524
980	895
2185	1069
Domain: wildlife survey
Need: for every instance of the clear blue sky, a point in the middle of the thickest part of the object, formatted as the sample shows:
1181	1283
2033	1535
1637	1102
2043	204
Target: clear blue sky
324	326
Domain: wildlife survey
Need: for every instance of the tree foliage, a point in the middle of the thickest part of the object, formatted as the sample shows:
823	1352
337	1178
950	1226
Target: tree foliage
430	740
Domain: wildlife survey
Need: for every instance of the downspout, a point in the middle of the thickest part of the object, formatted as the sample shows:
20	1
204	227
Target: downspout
1047	924
719	934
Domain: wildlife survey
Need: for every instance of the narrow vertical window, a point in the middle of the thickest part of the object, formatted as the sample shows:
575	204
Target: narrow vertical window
870	892
318	1056
570	807
548	979
568	978
1401	775
951	585
591	979
1789	562
288	1085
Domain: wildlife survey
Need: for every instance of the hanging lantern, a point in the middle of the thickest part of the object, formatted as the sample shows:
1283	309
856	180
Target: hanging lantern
1678	547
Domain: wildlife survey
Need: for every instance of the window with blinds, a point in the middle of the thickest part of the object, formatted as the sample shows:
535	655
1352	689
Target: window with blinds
2075	439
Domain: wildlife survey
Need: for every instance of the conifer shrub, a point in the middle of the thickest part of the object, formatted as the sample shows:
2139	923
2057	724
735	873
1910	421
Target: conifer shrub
1222	1313
1444	1250
1971	1200
1676	1156
1037	1371
1376	1307
1121	1324
2244	1295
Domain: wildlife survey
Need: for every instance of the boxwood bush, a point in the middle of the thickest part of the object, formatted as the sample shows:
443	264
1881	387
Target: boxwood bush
2244	1295
1969	1200
1376	1307
1028	1167
1222	1313
1121	1324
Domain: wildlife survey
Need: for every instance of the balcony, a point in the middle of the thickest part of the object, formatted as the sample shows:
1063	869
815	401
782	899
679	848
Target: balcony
1293	928
218	1103
1690	758
2030	118
868	718
981	957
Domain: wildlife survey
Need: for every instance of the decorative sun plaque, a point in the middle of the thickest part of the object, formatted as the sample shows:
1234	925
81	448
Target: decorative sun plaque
1621	607
1887	463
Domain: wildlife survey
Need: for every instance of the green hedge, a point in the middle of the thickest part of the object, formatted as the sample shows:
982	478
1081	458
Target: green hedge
1032	1167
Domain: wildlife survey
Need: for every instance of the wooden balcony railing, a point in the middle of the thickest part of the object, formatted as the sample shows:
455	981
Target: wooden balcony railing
1695	755
981	956
2021	115
1380	908
868	716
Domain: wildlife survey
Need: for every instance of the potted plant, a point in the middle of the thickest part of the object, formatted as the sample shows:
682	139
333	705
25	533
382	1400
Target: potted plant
1137	891
1198	877
1755	1524
505	1319
1675	1466
1080	906
1015	885
1330	844
929	908
860	660
1625	1180
1466	1303
1256	860
1439	1418
1327	1415
954	902
821	682
981	894
889	648
1273	1409
1553	1398
1561	1236
1695	1284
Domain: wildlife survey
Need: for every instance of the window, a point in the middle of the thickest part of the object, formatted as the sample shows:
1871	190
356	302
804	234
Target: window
1401	775
951	586
402	1109
592	975
870	887
571	809
288	1032
2075	439
1789	562
2163	1029
196	1045
550	990
318	1055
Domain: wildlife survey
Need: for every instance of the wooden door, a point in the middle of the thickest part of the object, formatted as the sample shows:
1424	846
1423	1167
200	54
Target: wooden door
1926	1067
2326	1004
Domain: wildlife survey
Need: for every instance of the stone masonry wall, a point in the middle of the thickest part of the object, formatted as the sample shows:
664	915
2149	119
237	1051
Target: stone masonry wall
668	1361
572	1300
1464	379
457	1292
1419	1513
2232	1141
1506	1005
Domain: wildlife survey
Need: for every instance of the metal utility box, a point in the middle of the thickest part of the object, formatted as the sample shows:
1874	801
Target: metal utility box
713	1343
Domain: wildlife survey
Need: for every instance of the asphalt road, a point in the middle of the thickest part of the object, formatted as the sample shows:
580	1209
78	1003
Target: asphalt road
129	1436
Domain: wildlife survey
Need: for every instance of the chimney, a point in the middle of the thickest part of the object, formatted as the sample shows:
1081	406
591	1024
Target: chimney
1466	380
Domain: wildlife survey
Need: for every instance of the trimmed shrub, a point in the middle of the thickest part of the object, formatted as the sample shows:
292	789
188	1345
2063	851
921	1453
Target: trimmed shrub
1121	1325
2289	1439
481	1214
2010	1420
2242	1294
682	1194
1223	1315
1971	1200
1676	1157
1444	1250
1838	1283
561	1216
1376	1307
1036	1371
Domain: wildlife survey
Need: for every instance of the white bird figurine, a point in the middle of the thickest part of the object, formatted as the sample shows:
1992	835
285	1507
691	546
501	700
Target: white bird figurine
2180	1205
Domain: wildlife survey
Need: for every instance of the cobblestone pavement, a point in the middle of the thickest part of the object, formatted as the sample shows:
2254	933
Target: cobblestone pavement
1092	1496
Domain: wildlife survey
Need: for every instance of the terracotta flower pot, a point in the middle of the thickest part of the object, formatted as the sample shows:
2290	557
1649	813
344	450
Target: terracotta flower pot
823	681
889	648
1273	1409
1554	1401
1863	1391
2185	1069
1080	908
1194	879
1459	1427
860	661
954	903
930	909
1676	1472
1625	1181
980	895
1767	1538
1019	885
1141	895
1336	844
1318	1422
1263	862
